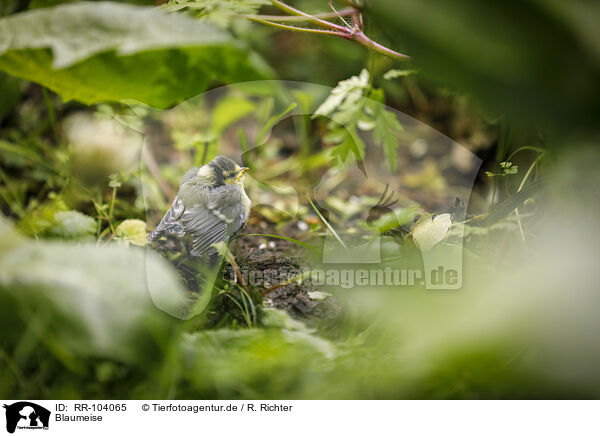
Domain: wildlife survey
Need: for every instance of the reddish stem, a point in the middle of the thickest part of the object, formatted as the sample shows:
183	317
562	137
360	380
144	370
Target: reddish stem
355	33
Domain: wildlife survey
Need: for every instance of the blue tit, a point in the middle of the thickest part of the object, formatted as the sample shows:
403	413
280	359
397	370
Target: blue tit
211	206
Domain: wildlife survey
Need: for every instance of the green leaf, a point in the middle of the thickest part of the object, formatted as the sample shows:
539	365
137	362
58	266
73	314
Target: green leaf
105	51
39	218
133	231
229	110
344	95
349	145
220	12
73	225
274	119
386	125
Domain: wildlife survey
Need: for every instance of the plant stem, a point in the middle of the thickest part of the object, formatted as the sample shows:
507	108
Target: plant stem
236	268
531	167
311	19
353	33
364	40
112	202
278	285
298	29
298	18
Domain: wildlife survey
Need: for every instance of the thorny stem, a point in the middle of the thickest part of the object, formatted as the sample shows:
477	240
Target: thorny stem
354	33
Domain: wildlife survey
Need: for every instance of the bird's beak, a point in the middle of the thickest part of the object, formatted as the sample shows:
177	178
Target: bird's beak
241	173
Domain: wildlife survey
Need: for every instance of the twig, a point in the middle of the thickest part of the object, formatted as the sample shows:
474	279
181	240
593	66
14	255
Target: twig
298	29
286	282
298	18
353	33
310	18
277	286
364	40
236	268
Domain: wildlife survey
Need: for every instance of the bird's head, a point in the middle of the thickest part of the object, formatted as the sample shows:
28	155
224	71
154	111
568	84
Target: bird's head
222	171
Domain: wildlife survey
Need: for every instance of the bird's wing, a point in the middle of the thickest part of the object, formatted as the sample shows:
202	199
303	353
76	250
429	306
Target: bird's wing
170	224
205	228
201	225
208	226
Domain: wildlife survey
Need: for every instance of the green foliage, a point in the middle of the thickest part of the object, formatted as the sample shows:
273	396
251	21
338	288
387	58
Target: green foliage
386	126
133	232
508	169
111	52
356	106
348	144
220	12
229	110
77	318
72	224
81	302
39	219
343	99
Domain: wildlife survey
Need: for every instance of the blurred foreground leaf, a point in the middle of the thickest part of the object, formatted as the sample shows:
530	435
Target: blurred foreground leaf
252	362
106	51
84	301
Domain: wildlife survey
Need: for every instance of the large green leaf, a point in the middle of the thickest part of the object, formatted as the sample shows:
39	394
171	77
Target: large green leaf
106	51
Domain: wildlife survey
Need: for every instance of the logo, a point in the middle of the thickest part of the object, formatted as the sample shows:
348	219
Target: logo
26	415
